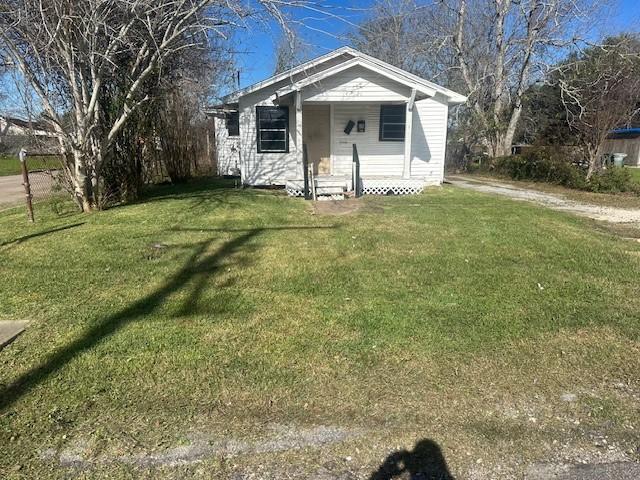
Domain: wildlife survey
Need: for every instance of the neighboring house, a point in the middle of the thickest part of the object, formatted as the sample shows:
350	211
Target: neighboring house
19	127
396	120
624	140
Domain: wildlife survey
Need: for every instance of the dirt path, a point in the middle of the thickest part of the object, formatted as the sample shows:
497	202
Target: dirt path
556	202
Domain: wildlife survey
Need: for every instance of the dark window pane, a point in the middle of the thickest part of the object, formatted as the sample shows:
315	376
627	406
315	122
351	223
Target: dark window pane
387	118
273	146
272	129
392	122
273	123
393	131
270	114
233	124
273	135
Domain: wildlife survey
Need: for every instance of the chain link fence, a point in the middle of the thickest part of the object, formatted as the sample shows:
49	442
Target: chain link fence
45	183
46	177
44	187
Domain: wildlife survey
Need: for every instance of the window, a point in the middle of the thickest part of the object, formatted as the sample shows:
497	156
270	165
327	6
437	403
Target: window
392	122
273	129
233	124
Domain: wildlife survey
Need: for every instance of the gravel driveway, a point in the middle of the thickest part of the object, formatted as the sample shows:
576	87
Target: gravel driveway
556	202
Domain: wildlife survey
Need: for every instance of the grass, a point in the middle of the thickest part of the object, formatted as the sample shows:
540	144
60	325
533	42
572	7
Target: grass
635	173
210	309
10	165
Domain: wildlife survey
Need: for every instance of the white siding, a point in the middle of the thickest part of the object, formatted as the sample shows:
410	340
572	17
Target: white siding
227	148
271	168
265	168
376	157
429	140
356	84
355	95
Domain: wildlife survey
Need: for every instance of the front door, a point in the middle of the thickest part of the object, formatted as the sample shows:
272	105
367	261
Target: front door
316	135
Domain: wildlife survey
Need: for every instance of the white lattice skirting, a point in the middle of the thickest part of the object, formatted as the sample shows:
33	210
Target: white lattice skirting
372	186
392	186
294	192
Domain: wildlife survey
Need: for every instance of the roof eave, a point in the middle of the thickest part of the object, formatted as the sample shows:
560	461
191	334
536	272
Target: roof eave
235	96
362	62
414	81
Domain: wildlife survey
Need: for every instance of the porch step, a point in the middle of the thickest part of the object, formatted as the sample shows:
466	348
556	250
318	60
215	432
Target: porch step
325	186
329	181
330	189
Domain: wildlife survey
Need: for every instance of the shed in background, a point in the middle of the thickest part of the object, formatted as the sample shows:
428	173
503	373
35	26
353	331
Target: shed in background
624	140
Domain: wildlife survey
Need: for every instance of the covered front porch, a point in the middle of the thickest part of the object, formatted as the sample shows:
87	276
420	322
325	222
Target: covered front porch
353	147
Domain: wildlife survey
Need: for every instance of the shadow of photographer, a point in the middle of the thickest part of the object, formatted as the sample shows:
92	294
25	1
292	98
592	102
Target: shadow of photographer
424	462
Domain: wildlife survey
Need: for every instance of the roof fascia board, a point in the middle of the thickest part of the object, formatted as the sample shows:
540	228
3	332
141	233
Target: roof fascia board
289	73
357	61
422	85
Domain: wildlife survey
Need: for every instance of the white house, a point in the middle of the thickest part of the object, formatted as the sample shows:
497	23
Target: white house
19	127
396	121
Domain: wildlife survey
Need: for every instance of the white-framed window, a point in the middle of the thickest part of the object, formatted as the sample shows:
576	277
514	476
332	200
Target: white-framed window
393	119
272	126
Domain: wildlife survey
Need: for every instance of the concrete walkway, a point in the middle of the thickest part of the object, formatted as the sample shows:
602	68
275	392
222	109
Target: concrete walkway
556	202
9	330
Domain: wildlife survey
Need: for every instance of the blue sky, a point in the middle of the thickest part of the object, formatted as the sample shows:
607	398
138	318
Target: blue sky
321	33
256	48
254	45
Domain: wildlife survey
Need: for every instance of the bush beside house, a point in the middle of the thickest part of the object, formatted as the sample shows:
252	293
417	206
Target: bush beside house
552	166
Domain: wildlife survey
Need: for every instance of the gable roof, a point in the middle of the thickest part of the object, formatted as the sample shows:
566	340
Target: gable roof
356	61
352	58
26	124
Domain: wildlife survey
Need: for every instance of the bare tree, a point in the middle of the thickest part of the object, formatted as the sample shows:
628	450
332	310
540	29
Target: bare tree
288	52
500	47
492	50
600	89
71	51
397	33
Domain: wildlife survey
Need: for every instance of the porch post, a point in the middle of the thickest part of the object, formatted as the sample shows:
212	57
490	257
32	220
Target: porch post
406	171
299	129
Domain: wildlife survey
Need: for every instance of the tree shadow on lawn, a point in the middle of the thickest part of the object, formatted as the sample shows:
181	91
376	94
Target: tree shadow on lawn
198	266
198	188
40	234
424	462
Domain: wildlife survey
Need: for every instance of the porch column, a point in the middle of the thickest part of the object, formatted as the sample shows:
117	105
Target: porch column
299	131
406	171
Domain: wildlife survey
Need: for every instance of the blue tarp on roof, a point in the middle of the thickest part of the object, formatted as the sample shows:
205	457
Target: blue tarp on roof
629	131
624	133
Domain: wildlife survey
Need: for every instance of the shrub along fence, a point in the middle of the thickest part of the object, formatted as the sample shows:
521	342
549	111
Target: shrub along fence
557	167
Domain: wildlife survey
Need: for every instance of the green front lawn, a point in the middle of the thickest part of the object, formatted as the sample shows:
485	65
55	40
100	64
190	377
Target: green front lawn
635	173
10	165
207	310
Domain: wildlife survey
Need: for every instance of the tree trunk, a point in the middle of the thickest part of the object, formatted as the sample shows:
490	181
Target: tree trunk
501	144
592	156
82	182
